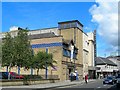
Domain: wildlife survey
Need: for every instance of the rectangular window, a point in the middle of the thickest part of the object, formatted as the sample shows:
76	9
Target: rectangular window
68	53
67	25
73	24
74	55
65	53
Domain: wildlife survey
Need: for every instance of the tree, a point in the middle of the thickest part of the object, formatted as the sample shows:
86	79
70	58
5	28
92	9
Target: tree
17	50
23	50
8	52
0	53
41	59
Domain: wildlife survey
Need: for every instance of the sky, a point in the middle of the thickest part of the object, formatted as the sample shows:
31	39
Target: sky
100	16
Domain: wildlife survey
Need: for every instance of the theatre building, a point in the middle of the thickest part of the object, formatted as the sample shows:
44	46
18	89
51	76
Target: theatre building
66	43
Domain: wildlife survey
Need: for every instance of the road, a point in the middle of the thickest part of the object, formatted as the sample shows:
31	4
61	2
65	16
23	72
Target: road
94	85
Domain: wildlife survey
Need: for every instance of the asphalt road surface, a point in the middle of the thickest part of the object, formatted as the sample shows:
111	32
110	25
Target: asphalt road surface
93	85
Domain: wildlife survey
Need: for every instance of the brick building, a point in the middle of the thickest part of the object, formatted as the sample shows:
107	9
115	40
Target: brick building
59	41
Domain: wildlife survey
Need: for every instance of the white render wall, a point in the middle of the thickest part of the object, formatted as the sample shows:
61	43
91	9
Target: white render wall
90	36
85	42
117	62
91	48
33	32
41	31
106	68
88	45
88	51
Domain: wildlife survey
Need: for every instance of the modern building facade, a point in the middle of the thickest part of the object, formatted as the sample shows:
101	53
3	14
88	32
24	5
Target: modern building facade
72	49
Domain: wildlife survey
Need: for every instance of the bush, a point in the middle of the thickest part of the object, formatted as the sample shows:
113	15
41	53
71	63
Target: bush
27	78
32	77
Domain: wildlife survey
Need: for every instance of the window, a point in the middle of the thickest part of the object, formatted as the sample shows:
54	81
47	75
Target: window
65	52
67	25
73	24
74	55
69	53
60	26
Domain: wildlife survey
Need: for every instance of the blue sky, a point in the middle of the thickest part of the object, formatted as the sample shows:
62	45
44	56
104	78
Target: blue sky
36	15
41	15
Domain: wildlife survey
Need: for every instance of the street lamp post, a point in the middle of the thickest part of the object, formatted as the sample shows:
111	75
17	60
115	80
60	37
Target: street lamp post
46	70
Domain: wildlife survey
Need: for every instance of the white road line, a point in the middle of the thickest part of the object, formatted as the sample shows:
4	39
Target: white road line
98	87
104	85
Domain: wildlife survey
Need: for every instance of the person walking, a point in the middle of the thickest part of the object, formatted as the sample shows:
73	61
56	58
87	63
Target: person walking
71	76
86	79
76	75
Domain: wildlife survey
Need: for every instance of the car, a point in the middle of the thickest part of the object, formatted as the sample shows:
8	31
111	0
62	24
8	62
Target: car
115	79
118	80
4	75
0	75
109	80
13	75
16	76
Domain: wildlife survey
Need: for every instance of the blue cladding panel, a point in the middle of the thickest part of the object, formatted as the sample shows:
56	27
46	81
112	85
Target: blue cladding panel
46	45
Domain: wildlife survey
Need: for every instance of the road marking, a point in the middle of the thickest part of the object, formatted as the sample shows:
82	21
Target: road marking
98	87
104	85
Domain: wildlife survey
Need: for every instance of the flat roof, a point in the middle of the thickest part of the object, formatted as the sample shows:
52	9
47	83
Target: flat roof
71	22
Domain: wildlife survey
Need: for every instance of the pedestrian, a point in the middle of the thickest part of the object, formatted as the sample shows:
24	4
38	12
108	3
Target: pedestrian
71	76
76	75
101	76
86	79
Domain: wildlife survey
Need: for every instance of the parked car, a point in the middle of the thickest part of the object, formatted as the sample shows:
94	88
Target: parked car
115	79
13	75
4	75
0	75
16	76
118	80
109	80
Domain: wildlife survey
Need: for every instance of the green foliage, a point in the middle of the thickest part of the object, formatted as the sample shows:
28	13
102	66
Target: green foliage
23	49
32	77
17	50
8	51
0	52
41	60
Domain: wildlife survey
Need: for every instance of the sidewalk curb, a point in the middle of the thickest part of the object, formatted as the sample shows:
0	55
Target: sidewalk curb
53	87
63	85
57	85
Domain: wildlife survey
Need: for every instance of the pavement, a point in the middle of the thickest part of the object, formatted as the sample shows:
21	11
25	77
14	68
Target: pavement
51	85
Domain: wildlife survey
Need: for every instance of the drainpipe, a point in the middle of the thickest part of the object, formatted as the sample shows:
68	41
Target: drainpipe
18	70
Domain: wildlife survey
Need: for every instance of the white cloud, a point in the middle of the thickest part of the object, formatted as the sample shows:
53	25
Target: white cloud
105	14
